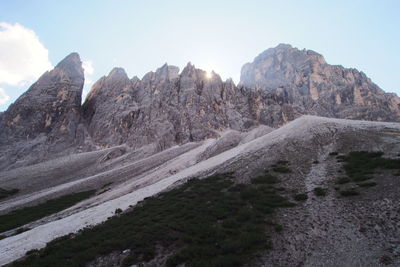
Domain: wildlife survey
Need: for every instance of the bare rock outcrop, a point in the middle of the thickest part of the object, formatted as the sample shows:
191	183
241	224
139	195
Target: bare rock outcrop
290	82
165	108
46	119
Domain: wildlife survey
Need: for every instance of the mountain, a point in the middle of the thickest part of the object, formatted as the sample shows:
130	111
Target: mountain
183	169
46	120
165	108
335	219
168	107
294	82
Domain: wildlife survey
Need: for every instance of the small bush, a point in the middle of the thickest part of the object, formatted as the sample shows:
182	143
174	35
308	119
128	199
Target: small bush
282	162
367	184
319	191
118	211
301	197
315	162
342	180
32	251
281	169
349	192
333	153
6	193
278	228
265	179
21	230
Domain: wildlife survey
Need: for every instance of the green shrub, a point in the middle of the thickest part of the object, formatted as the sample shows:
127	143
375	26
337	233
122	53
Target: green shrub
21	230
282	162
23	216
265	179
319	191
278	228
342	180
301	197
281	169
6	193
361	165
209	222
349	192
367	184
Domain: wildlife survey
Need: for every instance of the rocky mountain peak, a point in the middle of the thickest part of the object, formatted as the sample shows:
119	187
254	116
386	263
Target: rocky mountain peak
117	73
166	107
188	70
280	66
47	114
301	82
67	70
167	72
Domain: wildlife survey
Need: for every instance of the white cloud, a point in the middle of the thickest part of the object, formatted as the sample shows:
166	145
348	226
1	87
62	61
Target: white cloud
23	58
89	70
4	98
88	67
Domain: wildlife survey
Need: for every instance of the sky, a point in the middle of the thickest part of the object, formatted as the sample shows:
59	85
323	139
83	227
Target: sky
141	35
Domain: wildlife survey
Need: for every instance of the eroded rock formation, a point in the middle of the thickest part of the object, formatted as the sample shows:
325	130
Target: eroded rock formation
168	107
46	119
293	82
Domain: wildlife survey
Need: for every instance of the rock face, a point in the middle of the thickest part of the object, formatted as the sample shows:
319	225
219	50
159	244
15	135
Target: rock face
164	108
292	82
46	119
167	108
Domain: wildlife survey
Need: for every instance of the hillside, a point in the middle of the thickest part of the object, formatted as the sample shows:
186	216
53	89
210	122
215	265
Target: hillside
334	229
297	165
168	107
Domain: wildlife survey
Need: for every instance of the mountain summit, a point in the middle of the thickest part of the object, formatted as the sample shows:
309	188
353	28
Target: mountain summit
301	82
167	108
215	183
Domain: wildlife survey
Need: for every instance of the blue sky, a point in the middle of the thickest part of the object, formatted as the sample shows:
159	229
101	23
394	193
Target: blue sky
141	36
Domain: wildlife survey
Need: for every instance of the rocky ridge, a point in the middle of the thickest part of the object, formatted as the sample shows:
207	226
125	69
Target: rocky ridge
168	107
293	82
46	120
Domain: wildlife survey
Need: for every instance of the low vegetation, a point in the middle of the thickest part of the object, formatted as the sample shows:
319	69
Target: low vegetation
319	191
361	166
23	216
367	184
343	180
349	192
300	197
281	167
208	222
6	193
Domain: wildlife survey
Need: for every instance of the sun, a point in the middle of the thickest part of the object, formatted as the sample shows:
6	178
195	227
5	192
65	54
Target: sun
209	74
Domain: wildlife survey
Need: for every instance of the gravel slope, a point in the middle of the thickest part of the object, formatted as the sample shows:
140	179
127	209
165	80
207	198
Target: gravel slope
301	142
